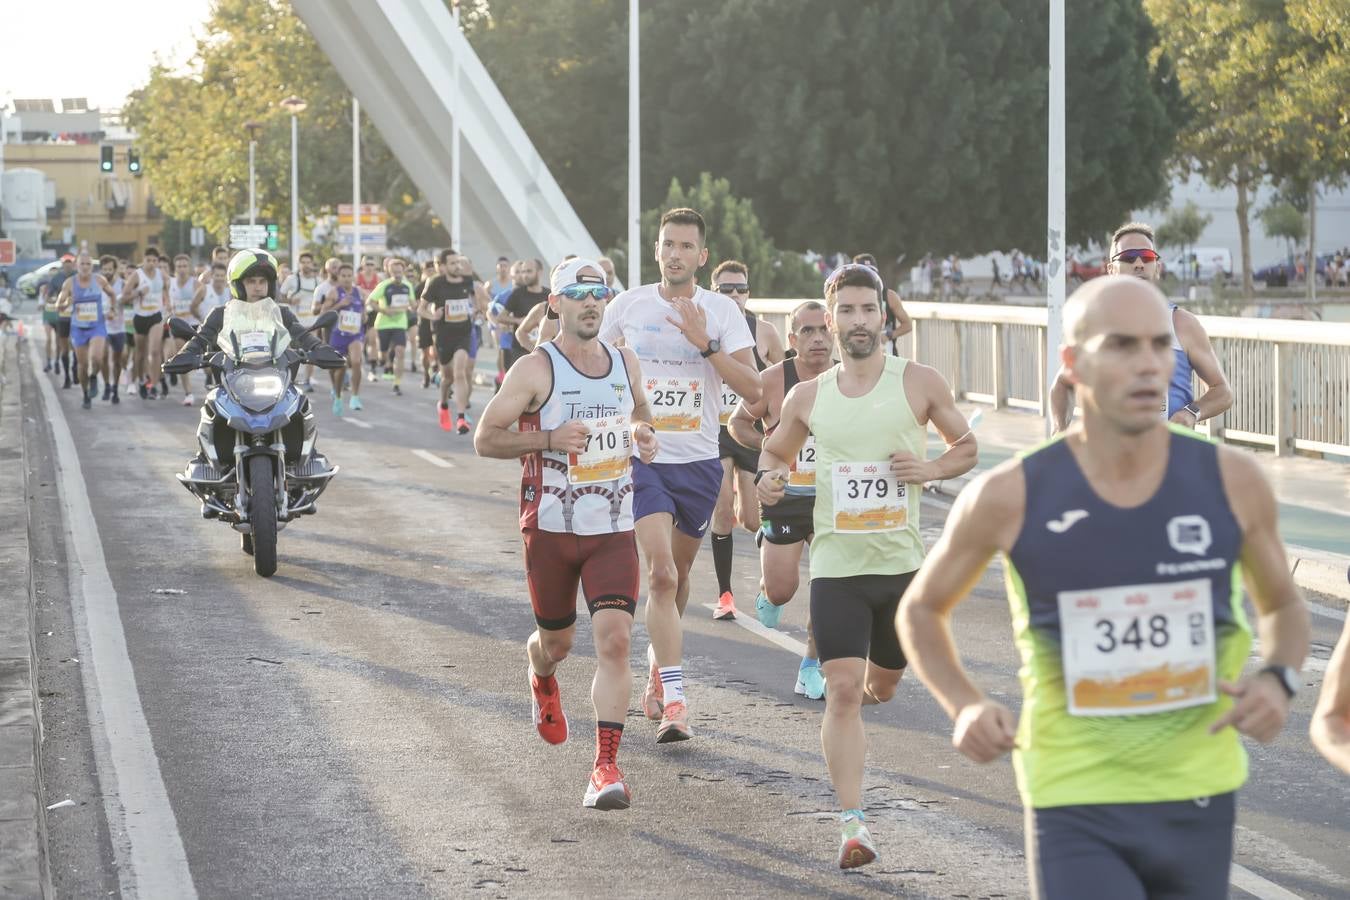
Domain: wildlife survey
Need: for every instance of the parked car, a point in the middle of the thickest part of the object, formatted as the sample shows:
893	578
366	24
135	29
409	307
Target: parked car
28	284
1280	274
1086	269
1214	261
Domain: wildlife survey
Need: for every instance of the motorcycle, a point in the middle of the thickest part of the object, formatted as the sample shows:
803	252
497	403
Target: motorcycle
257	469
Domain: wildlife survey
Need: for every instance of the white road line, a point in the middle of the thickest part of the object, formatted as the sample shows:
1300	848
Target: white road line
151	861
433	459
354	421
752	625
1326	612
1249	881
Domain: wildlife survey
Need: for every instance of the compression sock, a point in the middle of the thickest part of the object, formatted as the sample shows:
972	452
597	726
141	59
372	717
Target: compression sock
607	736
721	551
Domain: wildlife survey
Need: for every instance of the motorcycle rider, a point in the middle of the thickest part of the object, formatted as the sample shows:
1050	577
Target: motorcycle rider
253	277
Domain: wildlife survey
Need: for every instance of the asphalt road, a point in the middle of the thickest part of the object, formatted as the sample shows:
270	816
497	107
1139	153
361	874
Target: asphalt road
358	725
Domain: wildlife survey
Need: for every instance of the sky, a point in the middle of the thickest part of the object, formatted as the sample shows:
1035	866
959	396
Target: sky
46	54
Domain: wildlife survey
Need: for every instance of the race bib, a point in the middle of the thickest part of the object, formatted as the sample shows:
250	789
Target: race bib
1140	649
677	403
457	310
802	472
182	306
398	301
148	304
251	342
609	447
729	400
86	312
349	322
868	499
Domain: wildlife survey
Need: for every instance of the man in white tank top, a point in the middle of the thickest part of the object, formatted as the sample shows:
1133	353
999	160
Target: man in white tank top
582	415
213	291
148	291
182	297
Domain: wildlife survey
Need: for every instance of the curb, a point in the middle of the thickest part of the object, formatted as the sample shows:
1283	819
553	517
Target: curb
23	822
1313	570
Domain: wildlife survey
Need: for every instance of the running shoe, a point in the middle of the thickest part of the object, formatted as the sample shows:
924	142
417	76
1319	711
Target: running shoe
856	847
66	386
654	697
356	404
445	417
388	376
726	607
607	789
426	380
47	367
674	723
337	406
107	391
768	613
115	399
810	683
549	719
144	390
85	404
462	425
189	400
397	392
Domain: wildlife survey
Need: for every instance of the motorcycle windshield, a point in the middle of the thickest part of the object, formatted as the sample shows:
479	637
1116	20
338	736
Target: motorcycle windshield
253	332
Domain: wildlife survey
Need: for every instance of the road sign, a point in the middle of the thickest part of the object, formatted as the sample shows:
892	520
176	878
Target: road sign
367	209
198	236
7	254
262	236
380	229
378	219
368	241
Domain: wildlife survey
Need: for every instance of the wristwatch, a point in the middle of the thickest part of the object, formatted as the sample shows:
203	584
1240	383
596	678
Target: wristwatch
1288	678
1193	409
714	346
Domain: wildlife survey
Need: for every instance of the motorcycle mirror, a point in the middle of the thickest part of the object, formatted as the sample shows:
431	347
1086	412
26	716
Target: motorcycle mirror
181	329
327	320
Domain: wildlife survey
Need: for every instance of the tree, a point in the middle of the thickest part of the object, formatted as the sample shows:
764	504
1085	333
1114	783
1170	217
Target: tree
190	127
1282	220
1181	228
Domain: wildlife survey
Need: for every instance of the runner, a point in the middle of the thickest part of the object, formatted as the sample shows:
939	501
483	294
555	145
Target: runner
518	304
297	291
687	339
149	291
581	407
392	297
56	325
366	281
732	279
219	255
1133	253
1330	729
83	298
788	526
182	298
501	332
115	344
450	302
898	322
212	293
502	279
426	341
1132	650
869	416
349	335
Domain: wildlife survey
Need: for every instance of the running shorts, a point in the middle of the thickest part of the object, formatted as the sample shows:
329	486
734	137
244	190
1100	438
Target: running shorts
742	458
49	317
63	326
687	491
117	341
855	617
81	336
424	339
789	521
143	324
605	565
1132	851
391	338
449	340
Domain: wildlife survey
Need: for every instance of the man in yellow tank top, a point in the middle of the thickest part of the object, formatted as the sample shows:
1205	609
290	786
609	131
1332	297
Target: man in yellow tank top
870	416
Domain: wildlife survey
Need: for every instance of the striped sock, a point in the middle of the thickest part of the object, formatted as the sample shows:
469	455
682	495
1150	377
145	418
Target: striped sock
672	683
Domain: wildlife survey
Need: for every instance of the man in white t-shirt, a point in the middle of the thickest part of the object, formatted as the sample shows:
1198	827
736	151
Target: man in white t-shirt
297	290
689	341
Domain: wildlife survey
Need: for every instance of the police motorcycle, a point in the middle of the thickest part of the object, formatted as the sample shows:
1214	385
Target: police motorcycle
256	469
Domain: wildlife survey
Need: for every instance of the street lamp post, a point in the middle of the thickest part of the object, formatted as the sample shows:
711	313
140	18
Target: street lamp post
294	105
634	153
455	235
252	128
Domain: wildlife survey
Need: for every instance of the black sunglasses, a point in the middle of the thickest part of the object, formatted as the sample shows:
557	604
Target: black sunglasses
733	289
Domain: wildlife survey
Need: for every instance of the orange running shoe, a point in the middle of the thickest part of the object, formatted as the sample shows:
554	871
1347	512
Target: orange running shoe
445	418
549	719
607	789
654	697
726	607
674	724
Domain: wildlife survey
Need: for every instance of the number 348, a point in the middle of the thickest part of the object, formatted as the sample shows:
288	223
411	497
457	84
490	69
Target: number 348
1136	634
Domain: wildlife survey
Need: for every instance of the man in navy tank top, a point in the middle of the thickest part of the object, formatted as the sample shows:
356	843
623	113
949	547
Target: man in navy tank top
1126	542
582	417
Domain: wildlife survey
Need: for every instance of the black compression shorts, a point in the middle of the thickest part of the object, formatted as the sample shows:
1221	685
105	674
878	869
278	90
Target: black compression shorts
855	617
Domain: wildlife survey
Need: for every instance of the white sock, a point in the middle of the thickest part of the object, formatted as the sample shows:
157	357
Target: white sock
672	683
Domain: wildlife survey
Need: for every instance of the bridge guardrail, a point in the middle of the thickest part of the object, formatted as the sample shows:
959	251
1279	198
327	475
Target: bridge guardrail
1290	379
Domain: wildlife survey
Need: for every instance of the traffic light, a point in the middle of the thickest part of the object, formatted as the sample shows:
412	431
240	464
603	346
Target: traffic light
105	163
272	238
134	162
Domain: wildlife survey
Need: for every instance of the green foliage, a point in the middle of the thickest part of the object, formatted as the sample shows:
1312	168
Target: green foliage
191	126
1181	228
1283	220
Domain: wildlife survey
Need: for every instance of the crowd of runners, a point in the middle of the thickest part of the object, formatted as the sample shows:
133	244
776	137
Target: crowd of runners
647	419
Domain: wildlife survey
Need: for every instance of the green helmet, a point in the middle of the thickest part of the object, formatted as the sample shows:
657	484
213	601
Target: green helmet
252	262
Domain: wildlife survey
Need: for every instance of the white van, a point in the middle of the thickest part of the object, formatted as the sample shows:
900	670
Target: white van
1212	260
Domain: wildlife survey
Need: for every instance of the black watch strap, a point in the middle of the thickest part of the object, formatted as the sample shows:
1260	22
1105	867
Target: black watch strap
1287	677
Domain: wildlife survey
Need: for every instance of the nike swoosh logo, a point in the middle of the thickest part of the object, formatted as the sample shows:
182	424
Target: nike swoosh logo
1066	521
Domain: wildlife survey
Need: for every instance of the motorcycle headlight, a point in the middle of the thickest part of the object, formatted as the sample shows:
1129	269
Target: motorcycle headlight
258	391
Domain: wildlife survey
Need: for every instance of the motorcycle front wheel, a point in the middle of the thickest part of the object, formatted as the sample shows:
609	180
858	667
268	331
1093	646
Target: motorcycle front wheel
262	514
246	542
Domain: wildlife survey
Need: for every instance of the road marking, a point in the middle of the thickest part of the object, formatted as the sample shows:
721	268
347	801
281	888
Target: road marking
357	422
755	627
1249	881
151	861
433	459
1326	612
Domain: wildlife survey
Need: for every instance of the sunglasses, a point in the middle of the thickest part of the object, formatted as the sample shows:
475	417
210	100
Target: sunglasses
1130	256
733	289
582	291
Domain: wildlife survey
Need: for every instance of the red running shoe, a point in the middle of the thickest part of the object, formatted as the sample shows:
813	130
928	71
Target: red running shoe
445	418
549	720
607	789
